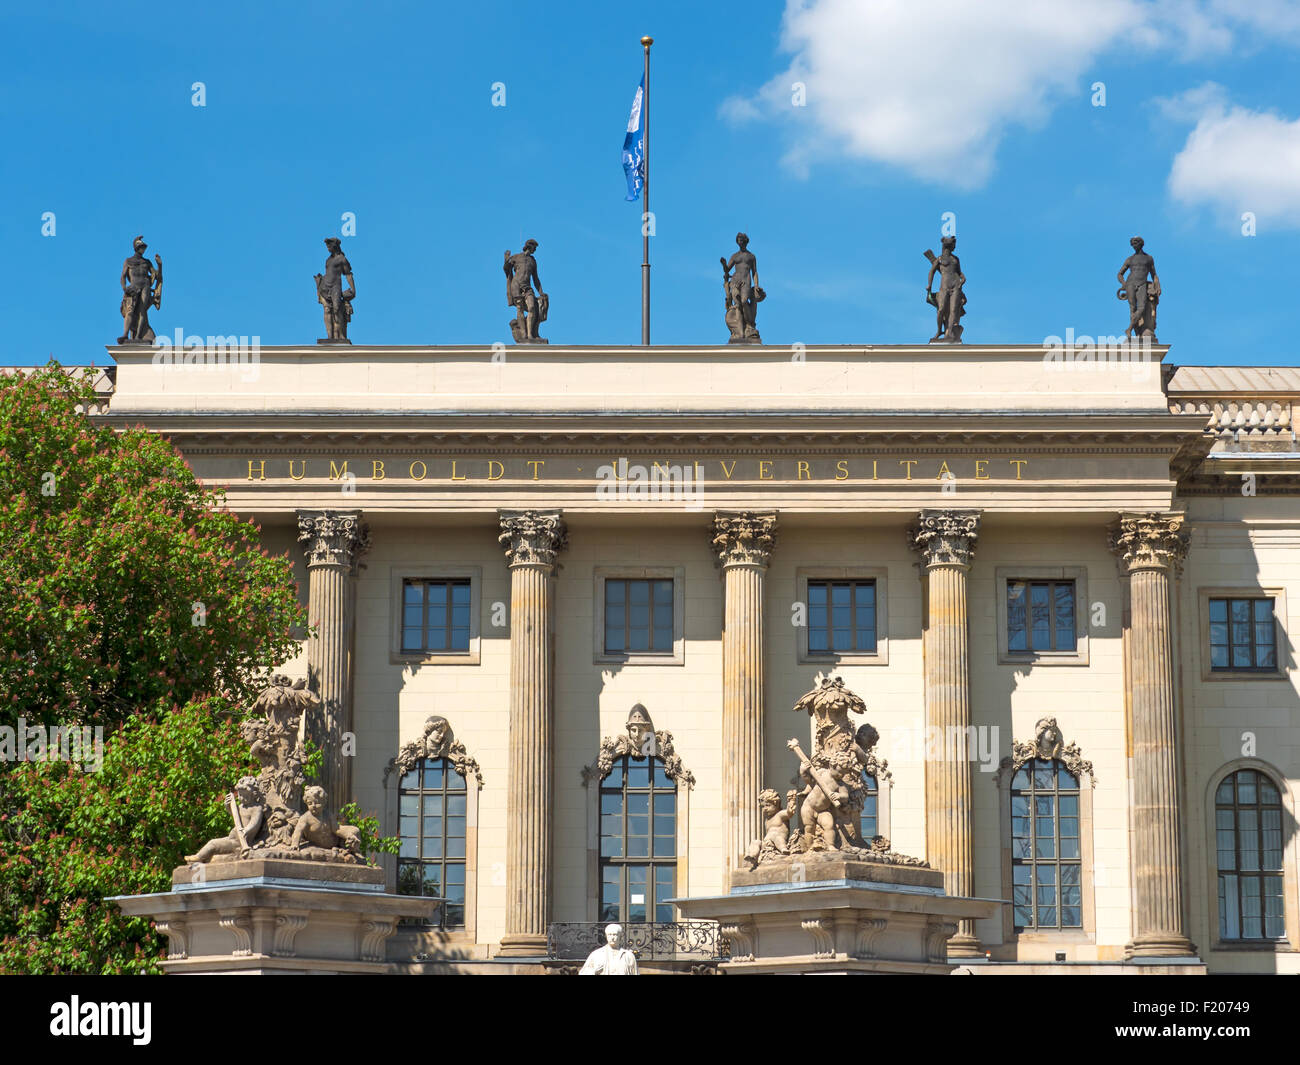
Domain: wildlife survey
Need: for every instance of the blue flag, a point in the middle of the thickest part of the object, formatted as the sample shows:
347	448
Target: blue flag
634	146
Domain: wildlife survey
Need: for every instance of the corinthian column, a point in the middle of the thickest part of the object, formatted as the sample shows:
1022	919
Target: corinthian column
743	543
1150	549
532	540
945	539
333	541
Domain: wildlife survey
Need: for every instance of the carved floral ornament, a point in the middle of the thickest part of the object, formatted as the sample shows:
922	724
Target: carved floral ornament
437	741
1048	744
639	739
1149	541
747	538
333	538
945	537
532	537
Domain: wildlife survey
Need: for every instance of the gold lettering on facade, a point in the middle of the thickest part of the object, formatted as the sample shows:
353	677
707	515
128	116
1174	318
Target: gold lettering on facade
1017	463
943	471
501	470
298	476
261	469
981	469
726	472
803	472
336	472
842	470
764	469
377	469
424	470
535	463
909	463
462	477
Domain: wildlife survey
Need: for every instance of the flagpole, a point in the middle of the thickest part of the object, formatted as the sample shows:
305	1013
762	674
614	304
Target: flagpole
646	42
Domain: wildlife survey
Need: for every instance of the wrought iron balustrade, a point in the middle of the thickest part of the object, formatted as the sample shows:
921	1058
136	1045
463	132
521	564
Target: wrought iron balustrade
649	941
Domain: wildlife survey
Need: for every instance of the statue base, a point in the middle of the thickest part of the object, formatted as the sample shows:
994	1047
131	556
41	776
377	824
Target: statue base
826	914
532	340
337	340
262	916
745	340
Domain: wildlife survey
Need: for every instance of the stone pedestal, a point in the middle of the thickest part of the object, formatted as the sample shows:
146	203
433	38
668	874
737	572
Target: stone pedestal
532	540
945	540
743	543
259	916
1150	549
333	542
823	914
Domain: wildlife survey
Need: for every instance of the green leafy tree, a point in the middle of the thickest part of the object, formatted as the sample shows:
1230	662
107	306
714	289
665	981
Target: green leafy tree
131	599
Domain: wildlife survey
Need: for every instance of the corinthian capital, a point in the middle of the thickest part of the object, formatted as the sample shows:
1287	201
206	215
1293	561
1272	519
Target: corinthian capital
333	537
945	537
1149	541
532	537
746	537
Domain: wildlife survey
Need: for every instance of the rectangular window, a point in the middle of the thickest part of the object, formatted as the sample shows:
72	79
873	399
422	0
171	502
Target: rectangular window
435	616
1243	637
1040	616
841	617
639	616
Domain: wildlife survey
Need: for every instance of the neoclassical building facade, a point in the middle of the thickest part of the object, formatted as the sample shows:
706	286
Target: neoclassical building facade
563	600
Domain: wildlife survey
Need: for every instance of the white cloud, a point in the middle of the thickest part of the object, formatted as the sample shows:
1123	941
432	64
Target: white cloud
933	86
1237	160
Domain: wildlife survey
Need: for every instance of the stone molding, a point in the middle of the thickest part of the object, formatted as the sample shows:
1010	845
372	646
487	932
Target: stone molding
532	537
945	537
1149	541
744	538
1049	744
648	741
333	538
437	741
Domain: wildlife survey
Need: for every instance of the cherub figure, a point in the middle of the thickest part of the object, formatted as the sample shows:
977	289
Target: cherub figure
828	796
315	830
776	818
249	817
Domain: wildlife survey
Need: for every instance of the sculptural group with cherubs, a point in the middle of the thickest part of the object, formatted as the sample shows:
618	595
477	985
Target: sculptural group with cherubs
273	816
831	790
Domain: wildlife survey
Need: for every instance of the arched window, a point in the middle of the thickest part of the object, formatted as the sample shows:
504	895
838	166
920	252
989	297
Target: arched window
1248	838
1046	860
870	818
432	817
638	841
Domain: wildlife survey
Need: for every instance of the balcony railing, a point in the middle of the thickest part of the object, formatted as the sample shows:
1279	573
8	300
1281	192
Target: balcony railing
649	941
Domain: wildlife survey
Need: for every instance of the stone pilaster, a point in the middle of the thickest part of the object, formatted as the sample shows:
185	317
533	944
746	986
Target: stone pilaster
333	542
945	540
743	543
532	540
1150	549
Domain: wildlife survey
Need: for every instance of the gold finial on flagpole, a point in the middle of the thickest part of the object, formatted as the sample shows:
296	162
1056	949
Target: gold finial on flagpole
647	41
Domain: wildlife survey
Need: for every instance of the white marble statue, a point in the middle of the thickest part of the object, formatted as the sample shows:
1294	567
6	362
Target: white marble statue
611	959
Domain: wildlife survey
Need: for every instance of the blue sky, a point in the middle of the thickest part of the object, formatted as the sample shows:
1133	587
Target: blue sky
911	110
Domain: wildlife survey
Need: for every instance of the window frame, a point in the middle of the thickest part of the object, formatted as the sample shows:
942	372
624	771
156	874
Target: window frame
439	923
1290	882
675	657
1281	644
852	574
1033	944
1004	575
399	576
1056	861
651	861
